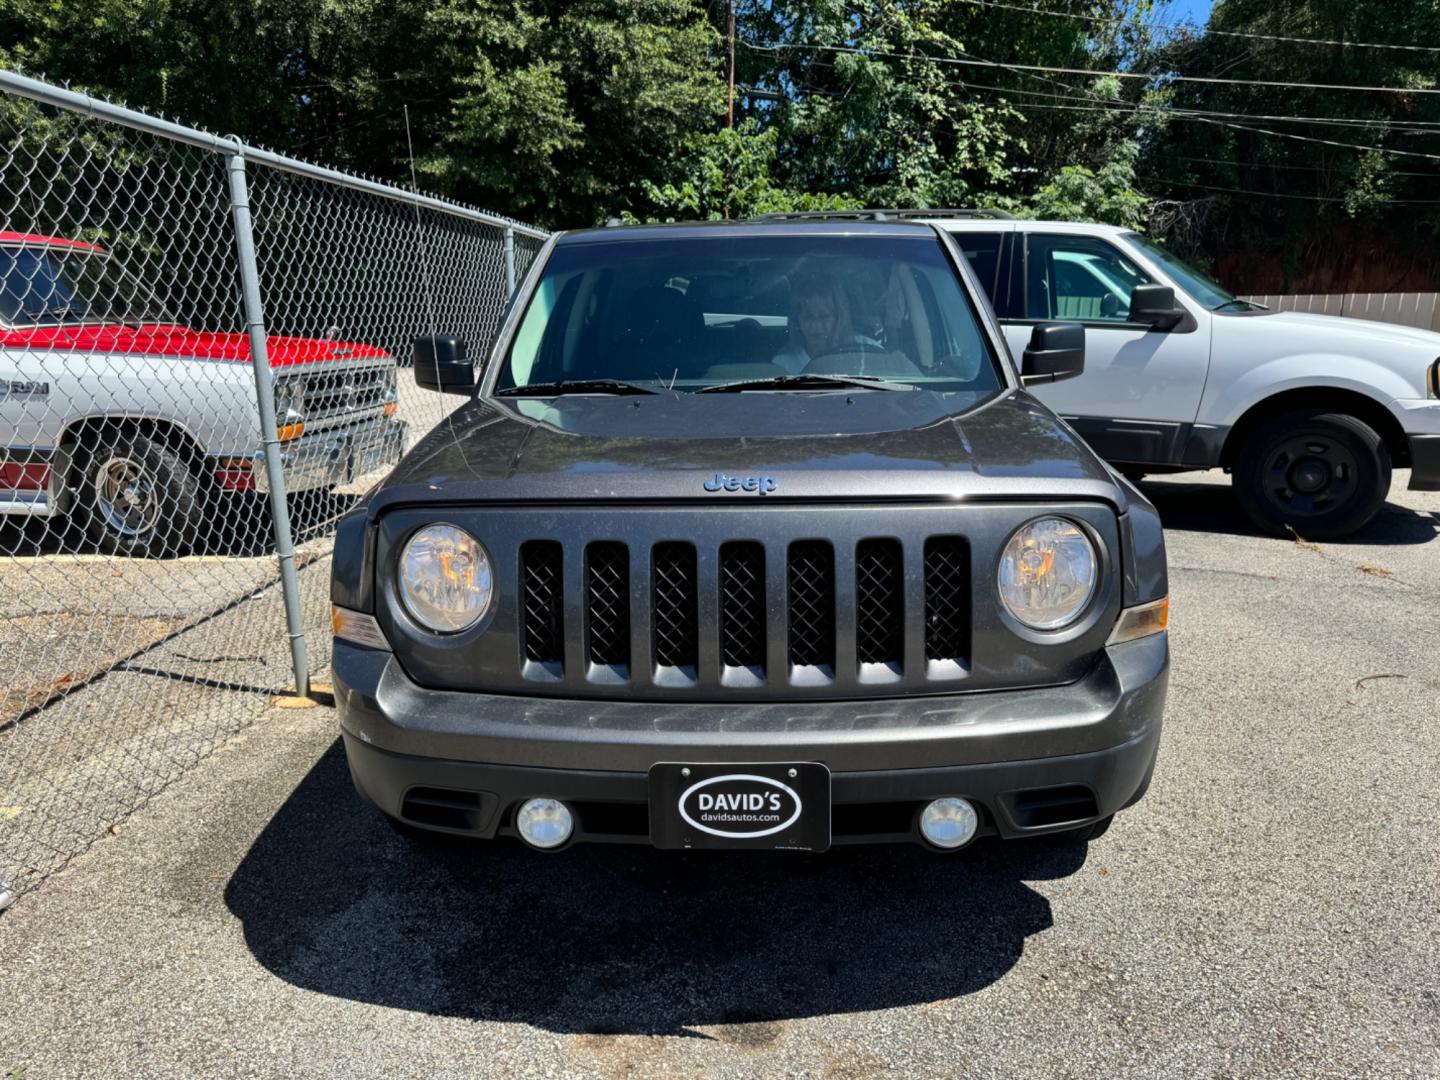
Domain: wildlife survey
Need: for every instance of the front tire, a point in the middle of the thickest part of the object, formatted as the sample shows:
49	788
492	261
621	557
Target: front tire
138	498
1321	474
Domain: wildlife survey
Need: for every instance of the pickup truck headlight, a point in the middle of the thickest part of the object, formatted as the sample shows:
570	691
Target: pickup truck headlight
446	579
1047	573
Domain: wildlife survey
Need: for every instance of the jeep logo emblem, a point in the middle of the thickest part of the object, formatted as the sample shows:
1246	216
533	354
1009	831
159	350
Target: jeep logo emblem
761	485
740	805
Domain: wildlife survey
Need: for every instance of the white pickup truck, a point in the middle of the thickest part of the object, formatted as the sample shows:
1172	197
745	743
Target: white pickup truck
135	425
1308	412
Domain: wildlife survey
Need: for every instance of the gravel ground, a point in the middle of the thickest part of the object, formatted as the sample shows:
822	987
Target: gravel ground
1270	908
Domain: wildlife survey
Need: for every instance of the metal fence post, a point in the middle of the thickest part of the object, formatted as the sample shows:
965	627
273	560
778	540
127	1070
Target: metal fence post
265	398
509	262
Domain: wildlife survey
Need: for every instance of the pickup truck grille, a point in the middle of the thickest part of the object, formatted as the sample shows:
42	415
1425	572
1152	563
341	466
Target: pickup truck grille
330	390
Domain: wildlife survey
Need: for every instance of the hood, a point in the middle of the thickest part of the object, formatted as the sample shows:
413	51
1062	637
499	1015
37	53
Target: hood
1381	360
871	445
161	339
1355	328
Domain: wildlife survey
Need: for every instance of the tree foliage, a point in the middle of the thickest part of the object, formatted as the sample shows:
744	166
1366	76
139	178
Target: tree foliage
567	113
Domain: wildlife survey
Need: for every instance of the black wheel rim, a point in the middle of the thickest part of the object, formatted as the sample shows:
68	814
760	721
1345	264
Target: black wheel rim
1310	475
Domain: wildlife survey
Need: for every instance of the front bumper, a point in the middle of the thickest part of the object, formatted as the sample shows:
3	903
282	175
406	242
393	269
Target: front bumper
1009	751
335	456
1425	462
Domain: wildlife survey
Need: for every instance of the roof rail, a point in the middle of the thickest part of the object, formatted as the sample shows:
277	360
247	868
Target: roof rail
885	215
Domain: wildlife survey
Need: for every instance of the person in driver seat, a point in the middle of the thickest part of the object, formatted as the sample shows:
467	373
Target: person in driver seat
819	323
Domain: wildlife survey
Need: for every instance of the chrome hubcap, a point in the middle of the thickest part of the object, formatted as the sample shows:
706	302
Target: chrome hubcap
125	496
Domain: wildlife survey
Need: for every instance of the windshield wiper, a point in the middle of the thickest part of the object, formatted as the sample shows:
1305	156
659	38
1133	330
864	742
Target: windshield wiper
807	382
575	386
1249	305
61	312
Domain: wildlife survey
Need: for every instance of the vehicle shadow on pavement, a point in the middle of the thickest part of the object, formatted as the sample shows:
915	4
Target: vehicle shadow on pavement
1212	508
624	940
235	527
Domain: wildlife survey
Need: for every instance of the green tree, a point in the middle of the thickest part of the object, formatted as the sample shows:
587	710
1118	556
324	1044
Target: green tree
1275	203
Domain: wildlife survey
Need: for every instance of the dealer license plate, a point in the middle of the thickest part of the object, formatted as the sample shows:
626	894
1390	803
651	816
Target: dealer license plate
771	805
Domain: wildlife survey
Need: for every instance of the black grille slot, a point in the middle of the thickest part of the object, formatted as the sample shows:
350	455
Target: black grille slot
742	604
947	598
607	597
542	601
1053	806
811	579
446	808
674	615
879	602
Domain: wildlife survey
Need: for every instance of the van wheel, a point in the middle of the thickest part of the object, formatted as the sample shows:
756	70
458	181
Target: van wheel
138	498
1322	474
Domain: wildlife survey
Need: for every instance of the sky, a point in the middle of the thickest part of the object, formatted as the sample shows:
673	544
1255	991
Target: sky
1192	11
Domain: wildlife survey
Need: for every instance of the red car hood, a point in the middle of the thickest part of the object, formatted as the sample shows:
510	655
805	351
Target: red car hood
155	339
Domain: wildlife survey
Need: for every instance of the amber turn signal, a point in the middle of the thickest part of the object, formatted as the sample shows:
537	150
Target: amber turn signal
1141	621
357	627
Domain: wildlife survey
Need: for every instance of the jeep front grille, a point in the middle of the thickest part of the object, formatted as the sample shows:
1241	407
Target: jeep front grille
695	603
740	619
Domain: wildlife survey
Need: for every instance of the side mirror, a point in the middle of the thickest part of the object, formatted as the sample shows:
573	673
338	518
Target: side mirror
440	364
1155	304
1056	351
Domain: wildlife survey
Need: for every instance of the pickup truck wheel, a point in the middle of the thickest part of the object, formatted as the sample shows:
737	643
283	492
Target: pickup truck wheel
139	499
1322	474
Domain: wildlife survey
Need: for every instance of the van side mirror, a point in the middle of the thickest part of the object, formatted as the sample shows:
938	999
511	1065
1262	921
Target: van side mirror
1155	305
441	364
1056	351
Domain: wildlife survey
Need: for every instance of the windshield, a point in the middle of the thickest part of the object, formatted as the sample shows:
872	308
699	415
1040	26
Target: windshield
1208	292
42	286
691	313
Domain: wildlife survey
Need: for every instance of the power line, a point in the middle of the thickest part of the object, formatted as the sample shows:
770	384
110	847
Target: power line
1091	72
1277	194
1127	108
1207	31
1278	165
1342	121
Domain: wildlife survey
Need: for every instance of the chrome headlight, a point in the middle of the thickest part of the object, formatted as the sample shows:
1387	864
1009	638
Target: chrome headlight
1047	573
446	579
289	396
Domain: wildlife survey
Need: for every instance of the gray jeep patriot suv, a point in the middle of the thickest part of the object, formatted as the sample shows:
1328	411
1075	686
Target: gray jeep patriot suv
751	536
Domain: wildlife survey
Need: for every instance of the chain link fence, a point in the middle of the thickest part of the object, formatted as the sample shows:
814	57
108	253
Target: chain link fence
204	352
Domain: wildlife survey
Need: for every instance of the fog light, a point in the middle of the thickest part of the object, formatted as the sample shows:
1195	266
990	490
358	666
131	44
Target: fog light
544	823
949	822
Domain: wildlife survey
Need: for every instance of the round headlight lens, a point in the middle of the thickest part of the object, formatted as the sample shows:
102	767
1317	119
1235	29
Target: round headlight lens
1047	573
446	579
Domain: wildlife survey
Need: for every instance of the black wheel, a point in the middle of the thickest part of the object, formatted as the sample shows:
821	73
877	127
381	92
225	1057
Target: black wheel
1322	474
138	498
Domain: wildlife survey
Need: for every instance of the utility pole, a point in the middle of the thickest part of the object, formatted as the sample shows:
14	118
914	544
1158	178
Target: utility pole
730	122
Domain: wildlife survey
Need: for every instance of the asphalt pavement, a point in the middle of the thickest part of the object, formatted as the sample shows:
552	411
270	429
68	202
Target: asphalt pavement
1269	909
